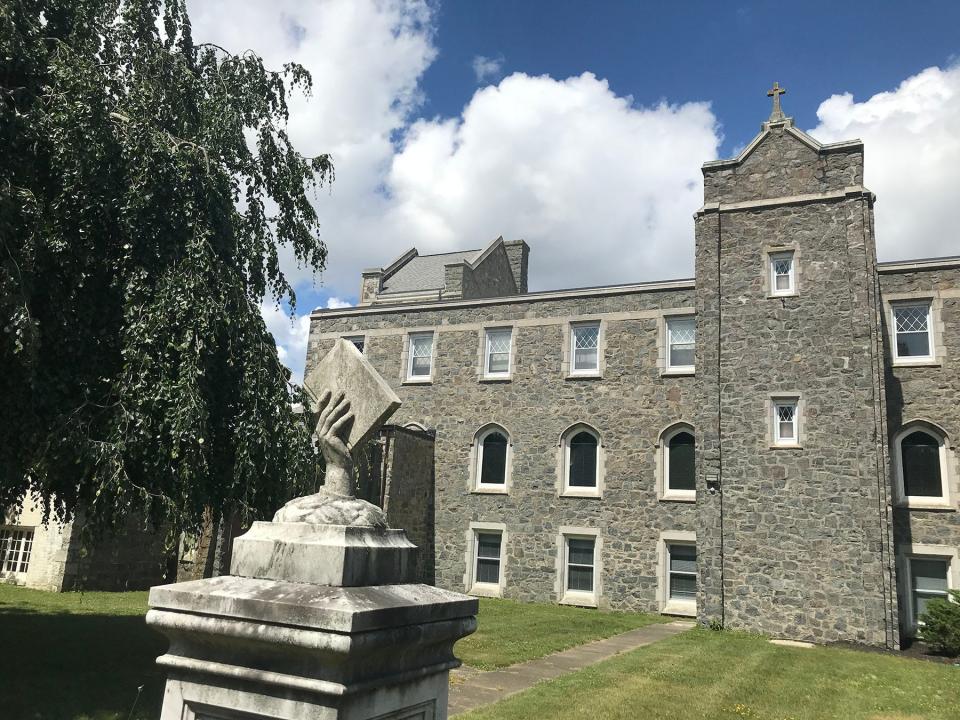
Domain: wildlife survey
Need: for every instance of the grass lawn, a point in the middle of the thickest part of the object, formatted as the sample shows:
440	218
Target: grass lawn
509	632
704	674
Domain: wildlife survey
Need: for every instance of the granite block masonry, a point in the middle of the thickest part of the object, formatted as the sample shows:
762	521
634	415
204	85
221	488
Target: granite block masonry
319	617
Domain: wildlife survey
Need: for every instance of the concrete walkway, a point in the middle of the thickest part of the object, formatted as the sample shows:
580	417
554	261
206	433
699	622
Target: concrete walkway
470	688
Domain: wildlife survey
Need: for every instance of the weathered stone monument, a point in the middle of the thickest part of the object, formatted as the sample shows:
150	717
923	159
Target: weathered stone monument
319	617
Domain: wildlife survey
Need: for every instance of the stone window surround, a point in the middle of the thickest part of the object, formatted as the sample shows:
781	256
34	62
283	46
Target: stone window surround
663	349
563	463
772	399
664	493
936	331
576	597
476	456
664	604
767	254
471	587
566	364
482	375
937	552
405	359
352	338
948	469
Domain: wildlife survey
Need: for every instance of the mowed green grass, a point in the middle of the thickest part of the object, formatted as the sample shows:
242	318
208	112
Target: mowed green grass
509	632
720	675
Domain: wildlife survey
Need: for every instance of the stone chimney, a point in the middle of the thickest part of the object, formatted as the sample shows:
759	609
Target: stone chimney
519	253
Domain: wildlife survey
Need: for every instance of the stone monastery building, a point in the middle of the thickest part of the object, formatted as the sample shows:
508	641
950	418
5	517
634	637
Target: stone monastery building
771	445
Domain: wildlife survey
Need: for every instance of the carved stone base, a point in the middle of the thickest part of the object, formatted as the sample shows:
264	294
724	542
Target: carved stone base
326	508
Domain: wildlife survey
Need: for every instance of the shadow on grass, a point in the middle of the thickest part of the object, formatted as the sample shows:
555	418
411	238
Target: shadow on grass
63	666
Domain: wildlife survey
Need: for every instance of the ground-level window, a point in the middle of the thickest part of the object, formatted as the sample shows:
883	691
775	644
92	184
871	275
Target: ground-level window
16	546
682	573
493	447
487	558
581	449
928	581
681	343
585	342
420	364
580	563
359	341
912	331
786	421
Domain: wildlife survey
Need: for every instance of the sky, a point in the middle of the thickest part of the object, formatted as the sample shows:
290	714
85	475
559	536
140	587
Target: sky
581	127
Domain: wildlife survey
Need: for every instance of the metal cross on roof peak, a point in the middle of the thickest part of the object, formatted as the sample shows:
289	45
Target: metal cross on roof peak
775	92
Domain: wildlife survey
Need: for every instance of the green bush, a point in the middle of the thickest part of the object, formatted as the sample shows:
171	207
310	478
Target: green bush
941	624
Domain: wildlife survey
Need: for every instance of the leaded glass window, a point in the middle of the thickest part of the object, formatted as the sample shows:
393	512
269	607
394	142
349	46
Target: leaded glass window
421	355
488	558
681	341
586	344
358	341
580	564
785	422
582	460
781	273
928	581
498	352
681	467
912	324
920	465
683	572
493	458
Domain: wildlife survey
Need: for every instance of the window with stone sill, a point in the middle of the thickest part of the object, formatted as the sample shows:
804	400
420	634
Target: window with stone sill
786	421
782	275
681	575
492	459
496	357
681	343
420	362
487	557
16	547
581	461
929	580
913	331
678	459
580	562
922	477
585	348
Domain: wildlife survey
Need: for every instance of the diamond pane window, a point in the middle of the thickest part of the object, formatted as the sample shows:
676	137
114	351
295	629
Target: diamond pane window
781	274
586	341
785	422
498	352
421	355
16	546
580	564
928	581
683	572
357	340
681	338
488	558
912	324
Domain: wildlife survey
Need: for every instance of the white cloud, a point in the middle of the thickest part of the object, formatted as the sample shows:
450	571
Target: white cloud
335	303
912	157
487	68
291	335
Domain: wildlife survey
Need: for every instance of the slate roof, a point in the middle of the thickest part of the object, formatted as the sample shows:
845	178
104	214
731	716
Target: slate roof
424	272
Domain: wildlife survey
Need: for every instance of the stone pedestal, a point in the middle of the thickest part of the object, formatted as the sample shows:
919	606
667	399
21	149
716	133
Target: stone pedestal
302	628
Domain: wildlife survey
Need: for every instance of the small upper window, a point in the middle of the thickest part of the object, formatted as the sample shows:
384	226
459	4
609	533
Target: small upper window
681	467
492	449
497	352
912	331
785	422
582	460
357	340
585	341
420	364
16	547
928	581
782	278
681	343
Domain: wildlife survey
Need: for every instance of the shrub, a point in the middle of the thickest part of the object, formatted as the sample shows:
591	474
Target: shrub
941	624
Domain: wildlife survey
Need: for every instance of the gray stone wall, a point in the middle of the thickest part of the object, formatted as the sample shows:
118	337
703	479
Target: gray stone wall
492	277
796	542
519	253
629	407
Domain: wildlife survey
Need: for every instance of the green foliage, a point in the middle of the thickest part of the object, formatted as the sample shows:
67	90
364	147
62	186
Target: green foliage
147	185
941	624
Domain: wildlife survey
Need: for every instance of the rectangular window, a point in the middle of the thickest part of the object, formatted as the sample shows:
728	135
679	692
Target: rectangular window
585	345
928	581
912	336
357	340
782	274
580	564
682	573
421	356
16	546
497	352
487	569
785	422
681	343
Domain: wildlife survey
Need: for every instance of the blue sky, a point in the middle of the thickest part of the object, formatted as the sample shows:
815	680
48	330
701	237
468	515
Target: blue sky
583	125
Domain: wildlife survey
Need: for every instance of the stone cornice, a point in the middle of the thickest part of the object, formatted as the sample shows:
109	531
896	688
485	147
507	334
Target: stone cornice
938	263
853	191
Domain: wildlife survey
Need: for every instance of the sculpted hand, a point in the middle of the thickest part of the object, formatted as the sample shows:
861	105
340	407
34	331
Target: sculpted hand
333	427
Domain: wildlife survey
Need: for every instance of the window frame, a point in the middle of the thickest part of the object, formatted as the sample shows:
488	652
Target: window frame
670	368
931	340
471	585
668	606
909	621
486	374
15	555
409	376
945	501
581	598
574	371
772	258
663	457
777	401
566	489
477	462
354	338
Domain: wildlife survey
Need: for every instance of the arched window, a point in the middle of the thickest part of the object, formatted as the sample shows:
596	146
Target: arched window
677	463
922	472
492	458
581	460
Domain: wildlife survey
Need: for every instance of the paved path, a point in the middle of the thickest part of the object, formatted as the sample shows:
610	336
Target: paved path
470	688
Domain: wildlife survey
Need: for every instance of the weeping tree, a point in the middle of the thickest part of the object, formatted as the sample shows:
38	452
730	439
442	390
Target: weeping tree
147	185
